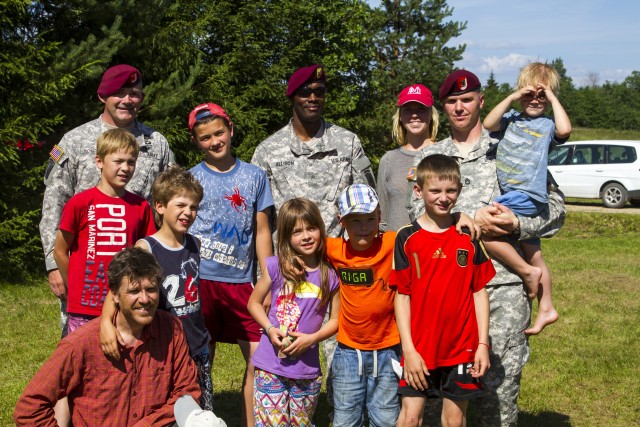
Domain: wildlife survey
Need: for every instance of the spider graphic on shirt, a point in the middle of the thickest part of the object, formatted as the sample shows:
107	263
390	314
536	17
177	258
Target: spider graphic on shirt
237	201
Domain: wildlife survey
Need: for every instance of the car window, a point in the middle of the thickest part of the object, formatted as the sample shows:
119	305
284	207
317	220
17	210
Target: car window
559	155
588	155
622	154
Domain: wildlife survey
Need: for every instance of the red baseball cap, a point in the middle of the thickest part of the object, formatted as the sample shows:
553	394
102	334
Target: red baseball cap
117	77
207	110
303	75
459	82
416	93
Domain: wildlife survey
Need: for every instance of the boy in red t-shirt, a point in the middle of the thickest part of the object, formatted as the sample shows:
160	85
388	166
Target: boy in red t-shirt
97	223
441	304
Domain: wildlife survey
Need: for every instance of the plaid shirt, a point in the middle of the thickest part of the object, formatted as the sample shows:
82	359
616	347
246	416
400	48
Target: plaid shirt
138	390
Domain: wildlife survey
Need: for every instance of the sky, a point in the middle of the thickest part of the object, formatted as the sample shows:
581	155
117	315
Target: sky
594	38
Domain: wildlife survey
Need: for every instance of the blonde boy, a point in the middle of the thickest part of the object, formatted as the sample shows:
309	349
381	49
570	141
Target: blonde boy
521	166
97	223
441	304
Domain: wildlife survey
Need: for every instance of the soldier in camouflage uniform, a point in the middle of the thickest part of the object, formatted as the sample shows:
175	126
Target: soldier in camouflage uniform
72	166
311	157
510	313
314	159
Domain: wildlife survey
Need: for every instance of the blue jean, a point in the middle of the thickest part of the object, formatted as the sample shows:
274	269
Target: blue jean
359	387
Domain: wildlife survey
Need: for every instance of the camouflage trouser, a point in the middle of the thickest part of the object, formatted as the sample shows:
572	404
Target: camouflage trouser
510	315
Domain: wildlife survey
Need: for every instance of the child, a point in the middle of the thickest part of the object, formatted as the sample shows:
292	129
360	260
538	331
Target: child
301	283
441	304
233	228
521	165
176	197
97	223
364	383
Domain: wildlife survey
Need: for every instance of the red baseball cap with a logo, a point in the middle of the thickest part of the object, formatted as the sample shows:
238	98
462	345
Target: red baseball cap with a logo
117	77
416	93
207	110
459	82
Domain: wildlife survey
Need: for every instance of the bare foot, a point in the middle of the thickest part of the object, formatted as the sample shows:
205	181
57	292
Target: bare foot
531	281
543	319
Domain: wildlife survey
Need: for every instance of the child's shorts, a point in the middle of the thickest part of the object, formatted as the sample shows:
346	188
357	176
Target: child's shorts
74	321
224	307
450	382
523	205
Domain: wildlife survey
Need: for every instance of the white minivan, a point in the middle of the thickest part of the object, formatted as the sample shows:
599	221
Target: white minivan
607	170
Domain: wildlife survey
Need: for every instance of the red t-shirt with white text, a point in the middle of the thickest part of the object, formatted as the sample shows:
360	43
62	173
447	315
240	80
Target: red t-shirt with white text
103	225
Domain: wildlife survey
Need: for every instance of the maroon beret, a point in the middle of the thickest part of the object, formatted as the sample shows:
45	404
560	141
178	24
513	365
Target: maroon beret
116	77
206	110
304	75
459	82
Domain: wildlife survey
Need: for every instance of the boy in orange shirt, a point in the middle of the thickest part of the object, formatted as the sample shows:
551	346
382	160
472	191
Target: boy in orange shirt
368	339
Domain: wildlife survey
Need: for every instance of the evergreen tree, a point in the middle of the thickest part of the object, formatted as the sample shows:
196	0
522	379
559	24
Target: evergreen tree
32	84
494	93
411	45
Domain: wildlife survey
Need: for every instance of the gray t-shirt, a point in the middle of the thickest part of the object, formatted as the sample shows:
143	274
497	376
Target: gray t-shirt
392	187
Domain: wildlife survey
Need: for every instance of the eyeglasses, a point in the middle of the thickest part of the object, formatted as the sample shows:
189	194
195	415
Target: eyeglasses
305	92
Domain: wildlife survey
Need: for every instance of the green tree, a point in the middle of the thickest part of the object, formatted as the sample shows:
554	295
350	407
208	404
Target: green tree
32	84
411	45
494	93
238	54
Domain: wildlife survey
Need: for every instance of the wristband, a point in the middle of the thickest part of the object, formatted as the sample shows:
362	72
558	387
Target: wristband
269	328
485	344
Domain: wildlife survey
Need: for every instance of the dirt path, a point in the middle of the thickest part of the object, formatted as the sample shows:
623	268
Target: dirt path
593	207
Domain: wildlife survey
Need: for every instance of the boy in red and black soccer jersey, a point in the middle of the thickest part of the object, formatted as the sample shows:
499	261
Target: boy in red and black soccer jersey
441	305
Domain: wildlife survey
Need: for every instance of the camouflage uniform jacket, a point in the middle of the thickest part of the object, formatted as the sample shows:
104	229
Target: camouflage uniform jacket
76	171
317	170
480	187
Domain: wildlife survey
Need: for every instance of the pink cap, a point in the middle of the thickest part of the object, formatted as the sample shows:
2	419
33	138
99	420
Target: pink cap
416	93
116	77
207	110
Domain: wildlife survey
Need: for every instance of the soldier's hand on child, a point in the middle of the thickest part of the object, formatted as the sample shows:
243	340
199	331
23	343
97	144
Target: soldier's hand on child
496	220
415	370
464	220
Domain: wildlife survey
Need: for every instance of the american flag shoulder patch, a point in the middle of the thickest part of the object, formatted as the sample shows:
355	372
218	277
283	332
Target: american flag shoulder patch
56	153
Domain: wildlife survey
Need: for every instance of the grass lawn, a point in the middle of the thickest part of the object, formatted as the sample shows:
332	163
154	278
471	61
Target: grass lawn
586	134
583	370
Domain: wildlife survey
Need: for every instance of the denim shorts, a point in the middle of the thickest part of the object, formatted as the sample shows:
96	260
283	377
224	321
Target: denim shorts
364	383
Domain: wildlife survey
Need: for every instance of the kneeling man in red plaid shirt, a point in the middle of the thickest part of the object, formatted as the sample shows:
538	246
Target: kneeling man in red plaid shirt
139	389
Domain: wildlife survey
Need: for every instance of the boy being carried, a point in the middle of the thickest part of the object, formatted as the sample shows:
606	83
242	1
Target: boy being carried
441	304
521	166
